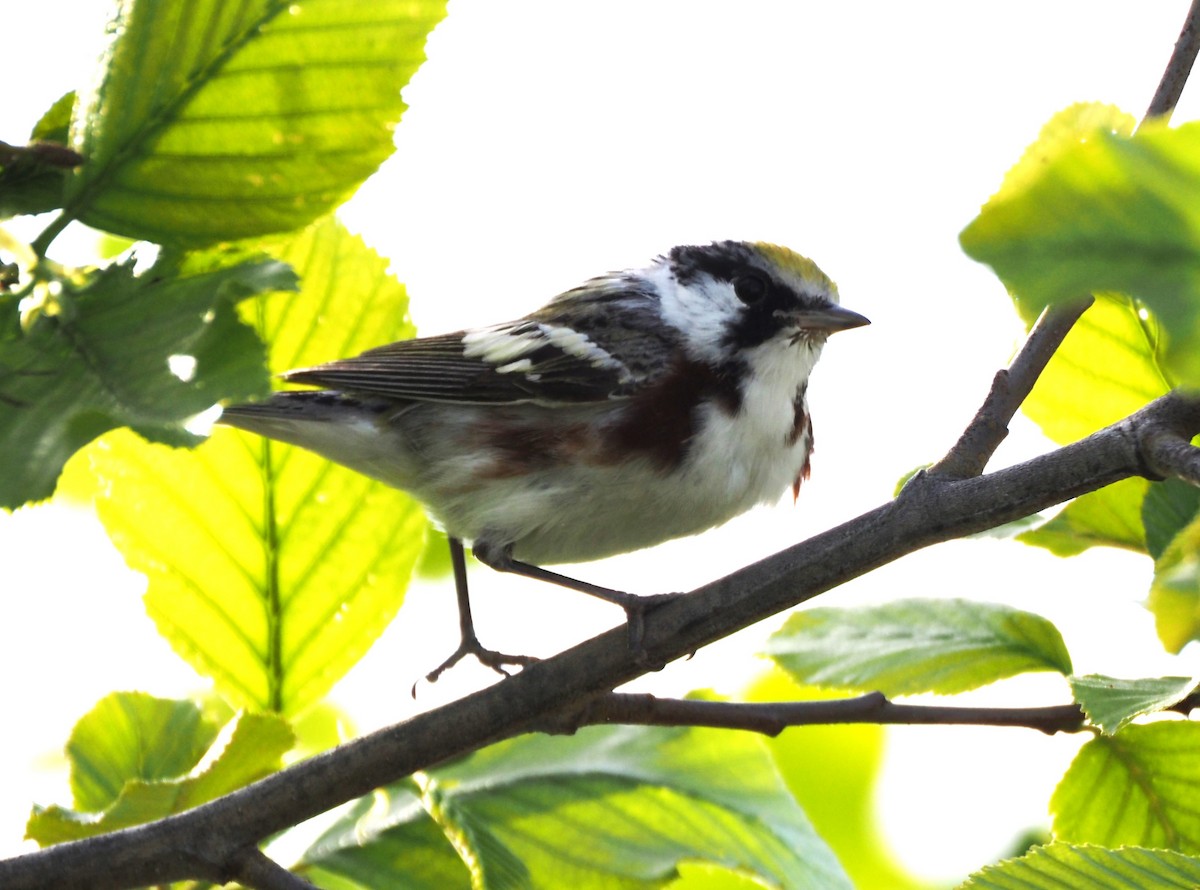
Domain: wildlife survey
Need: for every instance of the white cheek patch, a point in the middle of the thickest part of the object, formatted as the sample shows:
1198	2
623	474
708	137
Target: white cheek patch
702	311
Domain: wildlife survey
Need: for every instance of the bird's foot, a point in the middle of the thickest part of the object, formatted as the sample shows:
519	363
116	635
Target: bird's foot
636	608
497	661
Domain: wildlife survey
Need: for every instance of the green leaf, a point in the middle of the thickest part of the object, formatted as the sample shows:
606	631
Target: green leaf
255	749
32	178
1009	210
321	727
705	876
908	477
1168	508
1059	866
1176	609
132	735
1104	210
386	840
168	739
1175	591
55	124
611	807
917	645
1137	787
1111	703
271	570
100	356
215	122
1110	517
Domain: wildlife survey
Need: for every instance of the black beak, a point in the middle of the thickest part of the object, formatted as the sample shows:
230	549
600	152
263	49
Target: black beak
827	319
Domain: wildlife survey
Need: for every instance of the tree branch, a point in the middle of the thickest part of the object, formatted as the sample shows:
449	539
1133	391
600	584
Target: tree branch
931	509
215	841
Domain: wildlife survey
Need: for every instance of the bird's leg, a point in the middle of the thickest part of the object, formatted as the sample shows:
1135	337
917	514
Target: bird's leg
469	643
635	606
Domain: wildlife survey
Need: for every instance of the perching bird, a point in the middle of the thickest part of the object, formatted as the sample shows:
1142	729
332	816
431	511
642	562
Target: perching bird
642	406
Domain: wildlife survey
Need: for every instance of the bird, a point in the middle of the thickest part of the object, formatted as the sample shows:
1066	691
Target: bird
643	405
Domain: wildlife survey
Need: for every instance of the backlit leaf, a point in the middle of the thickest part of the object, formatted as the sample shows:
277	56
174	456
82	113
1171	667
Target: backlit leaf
920	645
132	735
271	570
1059	866
1136	788
107	355
610	807
1111	702
1175	592
216	121
1096	208
131	757
1109	517
1106	369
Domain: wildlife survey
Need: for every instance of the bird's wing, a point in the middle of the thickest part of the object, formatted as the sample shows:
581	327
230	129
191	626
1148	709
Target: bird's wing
545	358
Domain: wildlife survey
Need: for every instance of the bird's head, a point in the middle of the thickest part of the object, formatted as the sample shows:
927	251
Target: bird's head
730	297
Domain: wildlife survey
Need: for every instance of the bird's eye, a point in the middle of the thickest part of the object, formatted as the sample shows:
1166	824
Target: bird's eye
750	288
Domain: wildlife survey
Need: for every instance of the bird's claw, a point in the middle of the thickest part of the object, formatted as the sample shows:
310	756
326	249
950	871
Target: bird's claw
497	661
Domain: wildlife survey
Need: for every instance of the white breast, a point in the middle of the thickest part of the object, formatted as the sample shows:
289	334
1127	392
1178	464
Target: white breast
734	463
746	459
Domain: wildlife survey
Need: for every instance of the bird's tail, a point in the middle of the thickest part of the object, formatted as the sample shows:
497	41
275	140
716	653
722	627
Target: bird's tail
350	431
290	416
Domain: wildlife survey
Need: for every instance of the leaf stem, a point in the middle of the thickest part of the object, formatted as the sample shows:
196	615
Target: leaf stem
272	605
46	237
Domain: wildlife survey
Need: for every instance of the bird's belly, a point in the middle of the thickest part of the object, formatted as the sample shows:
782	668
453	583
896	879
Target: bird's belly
588	513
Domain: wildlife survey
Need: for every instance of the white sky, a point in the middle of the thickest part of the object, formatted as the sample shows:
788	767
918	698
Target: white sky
550	141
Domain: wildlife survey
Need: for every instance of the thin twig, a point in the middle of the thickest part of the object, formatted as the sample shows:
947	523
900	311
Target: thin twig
771	718
1010	388
1179	67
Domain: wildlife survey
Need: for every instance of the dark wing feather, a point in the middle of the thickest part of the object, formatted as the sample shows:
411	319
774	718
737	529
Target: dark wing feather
537	359
429	369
